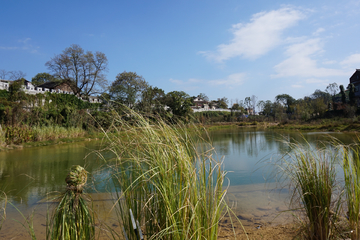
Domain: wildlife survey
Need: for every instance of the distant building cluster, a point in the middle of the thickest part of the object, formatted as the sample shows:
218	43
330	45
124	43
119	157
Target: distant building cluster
52	87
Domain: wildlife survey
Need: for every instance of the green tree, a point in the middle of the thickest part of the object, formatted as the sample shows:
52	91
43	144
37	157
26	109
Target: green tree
15	91
203	96
332	89
42	78
152	100
84	70
287	101
179	103
128	88
352	94
223	102
268	108
343	95
247	102
260	105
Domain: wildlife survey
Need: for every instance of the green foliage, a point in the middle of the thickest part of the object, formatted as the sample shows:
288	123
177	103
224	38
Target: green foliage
18	134
352	94
4	94
312	173
351	166
180	103
15	91
152	101
343	95
42	78
174	191
127	88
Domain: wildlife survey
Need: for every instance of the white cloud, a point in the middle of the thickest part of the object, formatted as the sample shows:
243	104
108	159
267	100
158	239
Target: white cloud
25	45
232	80
301	62
8	48
297	86
329	62
352	61
235	79
317	80
318	31
260	35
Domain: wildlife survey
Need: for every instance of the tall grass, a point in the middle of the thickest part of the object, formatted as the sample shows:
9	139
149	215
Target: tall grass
351	166
72	218
311	170
2	136
174	190
45	133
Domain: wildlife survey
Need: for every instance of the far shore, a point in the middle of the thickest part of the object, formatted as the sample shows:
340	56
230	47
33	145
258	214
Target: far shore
343	125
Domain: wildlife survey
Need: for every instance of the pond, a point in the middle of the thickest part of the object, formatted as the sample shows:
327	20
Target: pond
28	175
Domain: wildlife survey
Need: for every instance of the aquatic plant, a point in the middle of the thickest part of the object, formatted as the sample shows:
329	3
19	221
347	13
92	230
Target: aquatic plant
351	166
72	219
311	170
173	189
45	133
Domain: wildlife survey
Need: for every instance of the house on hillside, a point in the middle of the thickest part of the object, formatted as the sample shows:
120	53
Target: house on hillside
199	102
28	86
355	79
57	87
4	84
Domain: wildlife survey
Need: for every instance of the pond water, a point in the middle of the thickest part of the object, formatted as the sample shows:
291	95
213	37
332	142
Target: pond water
28	175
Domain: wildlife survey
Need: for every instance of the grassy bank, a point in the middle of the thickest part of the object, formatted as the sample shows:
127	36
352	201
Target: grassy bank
331	125
24	136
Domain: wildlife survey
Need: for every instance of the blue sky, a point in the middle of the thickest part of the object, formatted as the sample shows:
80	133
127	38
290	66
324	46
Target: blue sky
218	47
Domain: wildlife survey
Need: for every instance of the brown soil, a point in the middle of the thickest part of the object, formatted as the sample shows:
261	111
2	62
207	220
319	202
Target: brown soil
258	231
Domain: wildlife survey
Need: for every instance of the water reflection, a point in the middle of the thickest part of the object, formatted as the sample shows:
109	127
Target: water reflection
250	155
29	174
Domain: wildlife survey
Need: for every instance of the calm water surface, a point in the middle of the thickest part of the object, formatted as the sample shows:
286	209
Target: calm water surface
28	175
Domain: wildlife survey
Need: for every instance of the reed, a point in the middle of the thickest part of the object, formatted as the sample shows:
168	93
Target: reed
172	187
72	218
45	133
3	203
351	166
2	136
311	170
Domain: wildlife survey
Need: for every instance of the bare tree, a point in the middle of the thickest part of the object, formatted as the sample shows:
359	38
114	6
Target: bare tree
11	75
16	75
3	74
253	102
83	70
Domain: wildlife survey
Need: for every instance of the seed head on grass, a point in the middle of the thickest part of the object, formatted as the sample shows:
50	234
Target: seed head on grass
72	218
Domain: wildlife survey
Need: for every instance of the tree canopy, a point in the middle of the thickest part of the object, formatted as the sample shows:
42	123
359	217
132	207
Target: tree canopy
84	70
152	100
179	102
127	88
41	78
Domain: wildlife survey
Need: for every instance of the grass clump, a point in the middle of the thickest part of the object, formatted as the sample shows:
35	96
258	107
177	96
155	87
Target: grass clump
72	218
351	166
46	133
173	189
312	172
